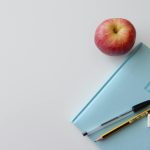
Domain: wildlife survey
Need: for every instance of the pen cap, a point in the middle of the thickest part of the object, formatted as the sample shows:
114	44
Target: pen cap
140	106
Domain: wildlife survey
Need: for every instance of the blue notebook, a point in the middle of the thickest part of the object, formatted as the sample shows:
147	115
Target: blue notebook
128	86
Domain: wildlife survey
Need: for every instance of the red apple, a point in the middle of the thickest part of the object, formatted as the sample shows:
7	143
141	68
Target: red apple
115	36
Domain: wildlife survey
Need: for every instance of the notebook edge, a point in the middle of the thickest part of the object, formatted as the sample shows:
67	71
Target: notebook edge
134	51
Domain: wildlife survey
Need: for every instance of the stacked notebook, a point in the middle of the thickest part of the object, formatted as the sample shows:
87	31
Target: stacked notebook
128	86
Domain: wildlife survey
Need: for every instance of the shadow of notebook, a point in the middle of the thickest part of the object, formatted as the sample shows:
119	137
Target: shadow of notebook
128	86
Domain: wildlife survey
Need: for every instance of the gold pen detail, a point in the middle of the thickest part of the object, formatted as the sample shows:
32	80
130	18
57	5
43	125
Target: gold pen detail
128	122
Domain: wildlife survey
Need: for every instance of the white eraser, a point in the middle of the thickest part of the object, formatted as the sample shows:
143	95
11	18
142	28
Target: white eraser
148	120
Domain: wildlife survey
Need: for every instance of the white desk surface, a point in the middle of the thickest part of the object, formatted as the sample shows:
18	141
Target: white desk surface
50	67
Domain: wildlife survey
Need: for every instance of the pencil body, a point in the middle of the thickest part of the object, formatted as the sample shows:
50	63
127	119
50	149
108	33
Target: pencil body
130	121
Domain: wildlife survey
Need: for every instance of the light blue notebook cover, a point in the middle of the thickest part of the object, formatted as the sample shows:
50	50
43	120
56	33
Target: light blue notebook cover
128	86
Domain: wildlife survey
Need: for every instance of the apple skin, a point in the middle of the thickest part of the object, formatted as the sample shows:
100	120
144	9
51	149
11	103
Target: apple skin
115	36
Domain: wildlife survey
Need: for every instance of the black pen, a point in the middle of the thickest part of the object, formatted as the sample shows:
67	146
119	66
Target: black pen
133	110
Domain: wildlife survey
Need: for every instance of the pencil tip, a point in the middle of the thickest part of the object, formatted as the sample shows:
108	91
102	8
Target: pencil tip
98	139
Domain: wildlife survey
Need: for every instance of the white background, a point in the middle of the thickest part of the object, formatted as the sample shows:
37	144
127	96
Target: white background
50	67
